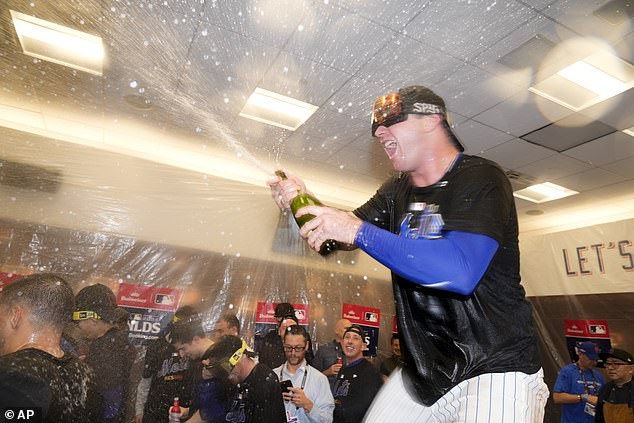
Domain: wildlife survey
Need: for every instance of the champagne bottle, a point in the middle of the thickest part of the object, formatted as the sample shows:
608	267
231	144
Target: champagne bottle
304	199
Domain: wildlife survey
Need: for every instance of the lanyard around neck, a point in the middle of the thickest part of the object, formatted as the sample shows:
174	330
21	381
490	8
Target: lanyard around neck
303	377
585	382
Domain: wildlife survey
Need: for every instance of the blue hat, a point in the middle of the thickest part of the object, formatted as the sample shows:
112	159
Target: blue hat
590	349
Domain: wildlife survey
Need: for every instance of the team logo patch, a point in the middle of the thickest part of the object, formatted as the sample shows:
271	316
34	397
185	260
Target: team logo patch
422	221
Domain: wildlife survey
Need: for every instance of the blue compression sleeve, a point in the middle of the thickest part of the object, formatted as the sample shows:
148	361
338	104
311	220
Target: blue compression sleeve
454	263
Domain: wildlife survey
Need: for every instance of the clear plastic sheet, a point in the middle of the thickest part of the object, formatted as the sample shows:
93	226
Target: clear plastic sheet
125	206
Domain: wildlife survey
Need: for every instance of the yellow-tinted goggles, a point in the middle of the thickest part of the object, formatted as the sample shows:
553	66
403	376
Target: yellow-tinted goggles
84	315
387	111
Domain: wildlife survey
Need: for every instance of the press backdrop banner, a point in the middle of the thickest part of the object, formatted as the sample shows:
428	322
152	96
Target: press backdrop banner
578	331
369	319
151	310
592	260
265	320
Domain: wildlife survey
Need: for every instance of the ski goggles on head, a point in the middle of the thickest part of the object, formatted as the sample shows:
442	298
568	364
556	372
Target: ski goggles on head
388	110
85	315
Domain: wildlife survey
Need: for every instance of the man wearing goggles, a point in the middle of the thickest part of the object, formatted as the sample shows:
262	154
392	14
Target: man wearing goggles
446	226
258	396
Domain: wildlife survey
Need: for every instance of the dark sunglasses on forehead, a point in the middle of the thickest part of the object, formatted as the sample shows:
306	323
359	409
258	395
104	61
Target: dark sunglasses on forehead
388	110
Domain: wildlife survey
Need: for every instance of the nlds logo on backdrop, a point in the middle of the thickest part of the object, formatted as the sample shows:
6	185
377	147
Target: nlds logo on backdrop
144	327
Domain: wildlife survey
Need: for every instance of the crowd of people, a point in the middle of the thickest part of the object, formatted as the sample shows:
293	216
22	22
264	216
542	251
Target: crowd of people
214	374
445	225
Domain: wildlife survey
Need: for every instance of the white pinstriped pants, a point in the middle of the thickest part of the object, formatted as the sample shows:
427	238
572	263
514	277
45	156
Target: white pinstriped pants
490	398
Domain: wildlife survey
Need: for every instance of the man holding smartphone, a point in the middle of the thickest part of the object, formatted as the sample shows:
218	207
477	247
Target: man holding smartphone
306	391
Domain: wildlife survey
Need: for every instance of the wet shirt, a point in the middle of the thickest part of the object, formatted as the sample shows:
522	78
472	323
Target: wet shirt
62	387
356	386
258	399
448	338
172	376
110	357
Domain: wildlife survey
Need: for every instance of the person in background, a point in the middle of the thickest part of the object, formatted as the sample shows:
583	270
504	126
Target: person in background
165	375
616	398
389	364
329	358
227	325
258	396
577	386
446	226
272	351
211	388
358	382
309	400
34	370
110	356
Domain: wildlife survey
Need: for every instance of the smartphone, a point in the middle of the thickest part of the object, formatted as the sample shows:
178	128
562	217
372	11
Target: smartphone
285	384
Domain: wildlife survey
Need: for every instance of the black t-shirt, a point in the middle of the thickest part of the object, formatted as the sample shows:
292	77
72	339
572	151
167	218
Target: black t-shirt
356	386
62	387
449	338
258	399
172	376
111	357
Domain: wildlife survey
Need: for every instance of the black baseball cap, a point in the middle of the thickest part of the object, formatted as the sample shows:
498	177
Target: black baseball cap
415	99
98	302
284	309
619	355
356	329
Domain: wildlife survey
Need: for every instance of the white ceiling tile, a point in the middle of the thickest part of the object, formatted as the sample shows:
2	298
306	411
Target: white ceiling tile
522	113
615	111
303	79
460	30
578	15
394	16
405	61
604	150
477	137
470	90
553	167
337	38
516	153
271	22
624	167
540	25
589	179
323	135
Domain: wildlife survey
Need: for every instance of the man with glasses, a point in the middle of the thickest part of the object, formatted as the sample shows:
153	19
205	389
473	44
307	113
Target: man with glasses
309	399
446	226
258	396
616	398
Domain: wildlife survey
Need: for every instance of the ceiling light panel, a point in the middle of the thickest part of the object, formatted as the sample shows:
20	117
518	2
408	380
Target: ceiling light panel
542	193
277	110
629	131
59	44
587	82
